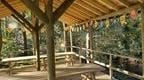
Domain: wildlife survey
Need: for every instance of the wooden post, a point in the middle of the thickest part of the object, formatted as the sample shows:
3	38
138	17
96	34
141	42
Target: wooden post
25	41
71	40
50	42
64	33
87	46
110	66
36	48
80	52
142	33
90	40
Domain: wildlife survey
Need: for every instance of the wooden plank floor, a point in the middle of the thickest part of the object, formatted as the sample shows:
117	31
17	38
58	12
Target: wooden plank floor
63	73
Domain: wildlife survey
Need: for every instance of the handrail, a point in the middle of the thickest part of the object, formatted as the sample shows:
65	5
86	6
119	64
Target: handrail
110	62
106	53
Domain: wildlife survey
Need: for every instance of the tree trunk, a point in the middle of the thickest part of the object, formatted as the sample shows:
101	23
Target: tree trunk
36	48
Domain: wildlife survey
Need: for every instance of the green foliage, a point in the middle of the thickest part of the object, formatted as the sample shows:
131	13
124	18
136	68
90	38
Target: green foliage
9	47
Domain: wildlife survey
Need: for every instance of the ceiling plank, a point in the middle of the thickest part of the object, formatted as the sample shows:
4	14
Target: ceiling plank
108	4
121	11
97	5
84	10
124	2
112	14
88	7
80	9
72	13
70	16
141	1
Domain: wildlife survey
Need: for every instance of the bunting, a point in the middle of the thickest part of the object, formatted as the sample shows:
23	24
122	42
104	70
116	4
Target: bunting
107	23
123	20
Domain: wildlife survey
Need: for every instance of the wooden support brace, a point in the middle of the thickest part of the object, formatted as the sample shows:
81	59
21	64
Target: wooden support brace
64	6
17	13
14	16
36	10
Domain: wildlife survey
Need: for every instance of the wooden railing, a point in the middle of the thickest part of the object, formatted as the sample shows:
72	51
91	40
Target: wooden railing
110	62
14	60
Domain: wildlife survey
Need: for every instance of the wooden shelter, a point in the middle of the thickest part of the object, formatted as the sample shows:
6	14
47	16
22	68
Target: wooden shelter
81	10
70	12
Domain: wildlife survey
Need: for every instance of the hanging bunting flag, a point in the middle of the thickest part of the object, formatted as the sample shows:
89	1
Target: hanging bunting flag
72	28
123	19
95	24
83	26
133	14
107	23
80	27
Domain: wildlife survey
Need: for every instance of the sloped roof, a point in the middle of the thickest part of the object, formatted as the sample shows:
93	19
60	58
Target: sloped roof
82	10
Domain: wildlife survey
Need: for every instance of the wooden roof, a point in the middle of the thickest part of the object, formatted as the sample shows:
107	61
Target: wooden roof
82	10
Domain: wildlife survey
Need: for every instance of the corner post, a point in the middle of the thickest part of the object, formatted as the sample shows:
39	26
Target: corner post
50	41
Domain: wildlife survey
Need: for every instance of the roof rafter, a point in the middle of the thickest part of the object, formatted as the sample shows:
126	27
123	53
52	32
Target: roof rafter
126	4
72	13
97	5
69	16
121	11
141	1
88	7
108	4
84	10
62	8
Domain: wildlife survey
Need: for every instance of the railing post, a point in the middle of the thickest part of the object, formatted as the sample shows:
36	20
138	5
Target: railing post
110	66
80	51
64	33
71	40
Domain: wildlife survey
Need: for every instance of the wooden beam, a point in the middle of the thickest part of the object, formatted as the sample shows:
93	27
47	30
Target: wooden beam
36	10
69	16
97	5
16	13
74	13
124	2
116	13
63	7
80	9
88	7
141	1
108	4
119	12
15	17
